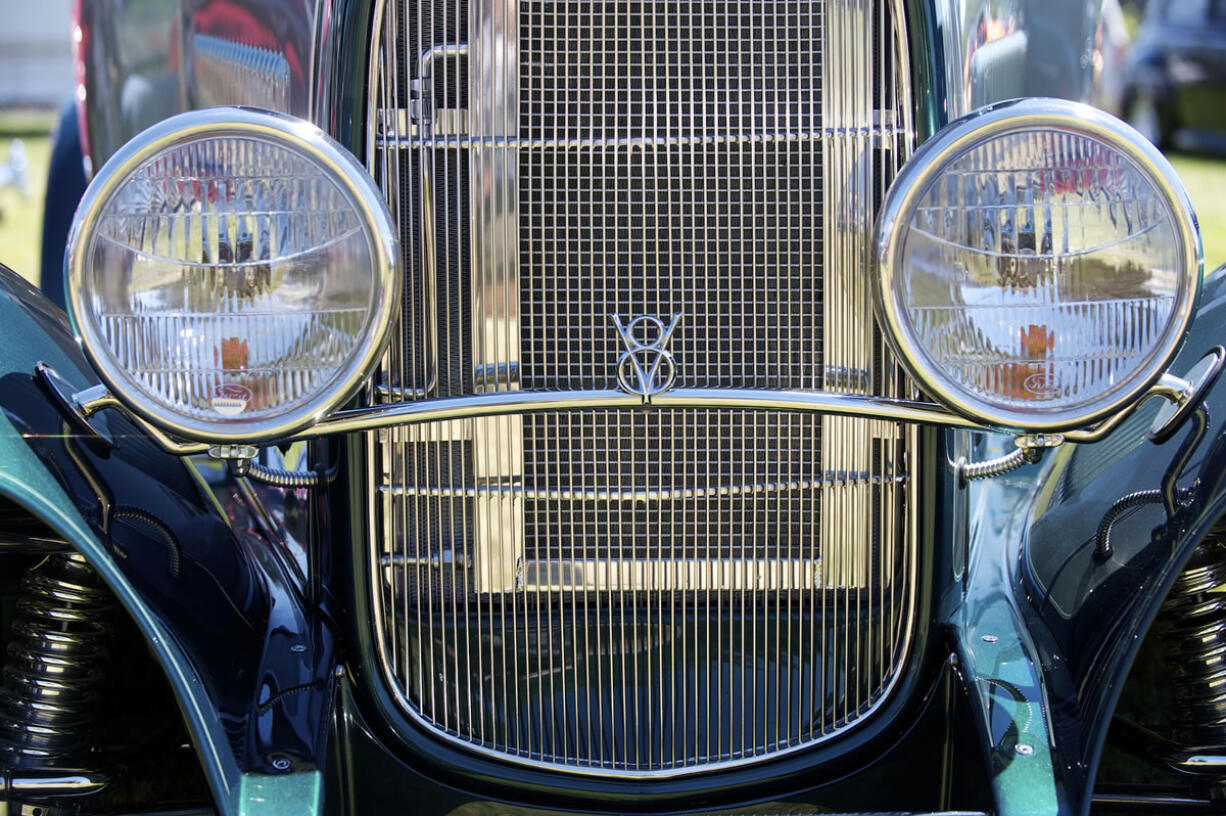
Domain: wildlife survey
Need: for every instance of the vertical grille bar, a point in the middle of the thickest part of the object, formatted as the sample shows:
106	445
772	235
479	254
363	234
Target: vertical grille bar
639	592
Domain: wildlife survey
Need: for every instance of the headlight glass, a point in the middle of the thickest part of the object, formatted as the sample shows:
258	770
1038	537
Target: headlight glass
1042	270
233	277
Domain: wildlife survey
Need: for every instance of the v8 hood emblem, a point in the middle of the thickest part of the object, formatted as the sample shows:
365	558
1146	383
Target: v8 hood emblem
646	367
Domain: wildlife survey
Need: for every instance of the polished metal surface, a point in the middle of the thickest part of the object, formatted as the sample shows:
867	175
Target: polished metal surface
1019	116
51	785
442	414
55	666
446	410
992	50
288	479
641	466
140	63
1195	645
970	471
226	72
646	367
1184	395
334	163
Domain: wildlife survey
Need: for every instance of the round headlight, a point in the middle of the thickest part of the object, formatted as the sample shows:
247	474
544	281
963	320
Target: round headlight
1038	265
233	274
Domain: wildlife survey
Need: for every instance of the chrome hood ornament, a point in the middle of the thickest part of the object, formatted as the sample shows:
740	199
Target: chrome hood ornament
646	367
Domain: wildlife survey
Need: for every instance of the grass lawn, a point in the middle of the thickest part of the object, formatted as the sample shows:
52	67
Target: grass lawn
21	217
1205	179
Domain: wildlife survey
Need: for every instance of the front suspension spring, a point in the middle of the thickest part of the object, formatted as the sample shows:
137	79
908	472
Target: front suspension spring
1196	645
55	665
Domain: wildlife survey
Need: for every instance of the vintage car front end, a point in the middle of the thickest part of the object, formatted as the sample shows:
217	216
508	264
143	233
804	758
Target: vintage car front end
674	407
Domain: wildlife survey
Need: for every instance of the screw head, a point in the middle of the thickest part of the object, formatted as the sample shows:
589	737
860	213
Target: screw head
989	638
280	763
1023	749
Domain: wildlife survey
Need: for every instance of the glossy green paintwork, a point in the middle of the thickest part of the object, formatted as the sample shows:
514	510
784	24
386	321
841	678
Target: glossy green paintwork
24	341
999	660
26	481
296	794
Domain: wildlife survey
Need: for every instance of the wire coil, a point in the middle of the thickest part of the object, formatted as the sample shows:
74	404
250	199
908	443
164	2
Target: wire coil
55	665
1196	645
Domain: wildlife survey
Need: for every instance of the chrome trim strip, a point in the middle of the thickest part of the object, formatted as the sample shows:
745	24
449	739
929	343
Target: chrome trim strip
847	205
497	444
382	417
429	250
656	495
510	403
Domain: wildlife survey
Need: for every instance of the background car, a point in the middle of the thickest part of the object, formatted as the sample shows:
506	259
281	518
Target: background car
1175	87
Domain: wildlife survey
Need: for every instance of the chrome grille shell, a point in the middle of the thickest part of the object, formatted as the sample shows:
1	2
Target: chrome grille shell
639	593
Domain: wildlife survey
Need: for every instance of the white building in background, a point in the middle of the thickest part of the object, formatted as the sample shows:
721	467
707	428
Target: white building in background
35	52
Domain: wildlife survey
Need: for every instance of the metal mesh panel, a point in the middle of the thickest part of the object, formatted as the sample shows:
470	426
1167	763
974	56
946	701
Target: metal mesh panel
677	171
650	591
673	485
682	230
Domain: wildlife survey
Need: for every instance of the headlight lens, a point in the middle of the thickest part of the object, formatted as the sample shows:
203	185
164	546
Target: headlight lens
232	274
1039	265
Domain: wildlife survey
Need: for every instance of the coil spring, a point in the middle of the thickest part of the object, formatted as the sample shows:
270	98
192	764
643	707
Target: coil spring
54	667
1196	645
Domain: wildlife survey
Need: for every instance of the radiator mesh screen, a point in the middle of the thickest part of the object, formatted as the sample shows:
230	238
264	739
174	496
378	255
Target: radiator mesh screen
657	590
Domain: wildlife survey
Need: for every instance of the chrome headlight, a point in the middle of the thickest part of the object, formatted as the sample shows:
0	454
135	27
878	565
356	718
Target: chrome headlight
1038	265
233	274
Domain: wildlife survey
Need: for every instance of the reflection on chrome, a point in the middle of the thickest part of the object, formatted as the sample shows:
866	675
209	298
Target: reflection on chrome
233	274
530	514
1038	265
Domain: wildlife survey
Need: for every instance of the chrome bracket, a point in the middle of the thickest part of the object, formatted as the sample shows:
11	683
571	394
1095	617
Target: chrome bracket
422	118
1184	394
72	405
243	464
234	452
418	120
1028	450
885	128
396	121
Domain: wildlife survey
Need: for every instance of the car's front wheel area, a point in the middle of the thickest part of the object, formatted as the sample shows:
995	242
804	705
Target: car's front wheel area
88	723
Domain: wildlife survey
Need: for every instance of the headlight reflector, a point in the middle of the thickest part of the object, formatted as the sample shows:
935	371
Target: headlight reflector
1038	265
232	274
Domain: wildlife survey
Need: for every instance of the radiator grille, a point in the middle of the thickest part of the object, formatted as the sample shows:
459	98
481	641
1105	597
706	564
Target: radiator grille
698	184
667	589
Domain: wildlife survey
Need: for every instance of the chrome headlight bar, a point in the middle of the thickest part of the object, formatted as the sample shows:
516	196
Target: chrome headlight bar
233	275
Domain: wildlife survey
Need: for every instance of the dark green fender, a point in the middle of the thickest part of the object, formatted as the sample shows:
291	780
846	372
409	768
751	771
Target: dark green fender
1047	623
221	712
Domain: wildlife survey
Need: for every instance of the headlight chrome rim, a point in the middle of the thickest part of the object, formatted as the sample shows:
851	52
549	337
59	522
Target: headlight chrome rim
339	165
946	147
